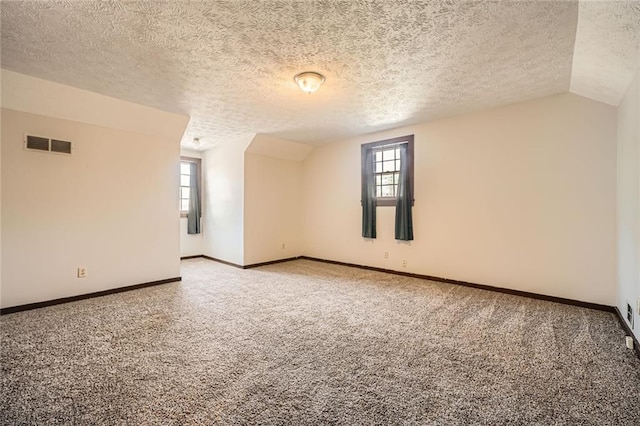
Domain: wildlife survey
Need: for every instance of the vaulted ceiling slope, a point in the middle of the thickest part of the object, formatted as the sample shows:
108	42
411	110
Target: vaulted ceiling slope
607	51
230	65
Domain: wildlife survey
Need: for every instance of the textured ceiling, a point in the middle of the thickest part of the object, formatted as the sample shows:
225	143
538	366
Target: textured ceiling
230	65
607	51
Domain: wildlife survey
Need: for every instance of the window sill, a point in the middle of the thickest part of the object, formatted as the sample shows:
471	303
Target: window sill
389	202
386	201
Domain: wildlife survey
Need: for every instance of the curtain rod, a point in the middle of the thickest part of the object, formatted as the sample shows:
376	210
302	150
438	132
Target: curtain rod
390	144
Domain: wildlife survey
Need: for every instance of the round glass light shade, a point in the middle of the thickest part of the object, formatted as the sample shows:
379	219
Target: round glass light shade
309	81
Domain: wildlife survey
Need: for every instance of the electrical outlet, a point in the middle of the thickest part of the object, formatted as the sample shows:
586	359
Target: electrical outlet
404	263
629	342
386	254
630	314
82	272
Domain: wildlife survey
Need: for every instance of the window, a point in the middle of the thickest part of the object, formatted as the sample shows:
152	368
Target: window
387	180
185	182
386	167
185	186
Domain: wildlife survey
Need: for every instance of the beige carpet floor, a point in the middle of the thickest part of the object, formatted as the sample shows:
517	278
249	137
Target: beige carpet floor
309	343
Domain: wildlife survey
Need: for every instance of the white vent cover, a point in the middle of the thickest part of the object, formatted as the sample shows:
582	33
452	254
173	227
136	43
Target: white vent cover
39	143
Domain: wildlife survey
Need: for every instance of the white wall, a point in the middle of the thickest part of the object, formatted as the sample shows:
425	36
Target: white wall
190	244
0	192
273	209
252	199
273	147
628	202
223	207
521	197
0	202
110	207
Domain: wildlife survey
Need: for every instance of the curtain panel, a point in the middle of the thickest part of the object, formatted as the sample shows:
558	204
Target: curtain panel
404	218
368	195
194	213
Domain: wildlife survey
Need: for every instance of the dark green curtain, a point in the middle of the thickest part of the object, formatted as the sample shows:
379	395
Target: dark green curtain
404	220
193	215
368	195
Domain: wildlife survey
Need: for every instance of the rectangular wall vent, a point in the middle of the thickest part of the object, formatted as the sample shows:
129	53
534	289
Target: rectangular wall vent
35	142
38	143
63	147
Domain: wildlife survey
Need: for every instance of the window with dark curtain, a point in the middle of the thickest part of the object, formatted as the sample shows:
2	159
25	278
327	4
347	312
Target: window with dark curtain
190	193
387	180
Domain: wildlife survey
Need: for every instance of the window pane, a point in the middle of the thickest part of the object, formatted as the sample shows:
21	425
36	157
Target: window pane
378	191
184	192
388	154
378	179
387	179
184	205
396	178
378	167
185	180
397	164
378	156
389	166
185	169
387	191
397	152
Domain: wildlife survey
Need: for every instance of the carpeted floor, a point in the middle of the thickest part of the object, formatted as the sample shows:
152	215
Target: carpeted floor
308	343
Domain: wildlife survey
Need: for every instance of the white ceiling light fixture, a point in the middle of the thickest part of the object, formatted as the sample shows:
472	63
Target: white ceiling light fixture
309	81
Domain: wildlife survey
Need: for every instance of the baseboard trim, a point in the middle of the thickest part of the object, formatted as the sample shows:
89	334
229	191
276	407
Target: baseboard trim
627	330
235	265
190	257
271	262
29	306
530	295
253	265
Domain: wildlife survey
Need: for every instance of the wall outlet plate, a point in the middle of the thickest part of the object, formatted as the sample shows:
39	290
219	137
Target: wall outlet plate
630	314
629	342
82	272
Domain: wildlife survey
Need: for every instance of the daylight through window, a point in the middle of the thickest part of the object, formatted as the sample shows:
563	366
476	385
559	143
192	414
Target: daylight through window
386	170
185	185
382	172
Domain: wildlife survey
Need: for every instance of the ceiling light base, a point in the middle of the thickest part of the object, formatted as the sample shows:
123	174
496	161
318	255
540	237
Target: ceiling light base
309	81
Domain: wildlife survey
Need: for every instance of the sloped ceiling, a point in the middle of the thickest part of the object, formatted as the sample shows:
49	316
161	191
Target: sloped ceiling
230	65
607	51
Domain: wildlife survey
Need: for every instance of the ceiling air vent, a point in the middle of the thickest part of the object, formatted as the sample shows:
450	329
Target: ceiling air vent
38	143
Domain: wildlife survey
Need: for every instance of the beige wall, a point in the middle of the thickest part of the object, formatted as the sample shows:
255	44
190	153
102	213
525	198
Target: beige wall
223	207
629	202
37	96
273	209
110	207
521	197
